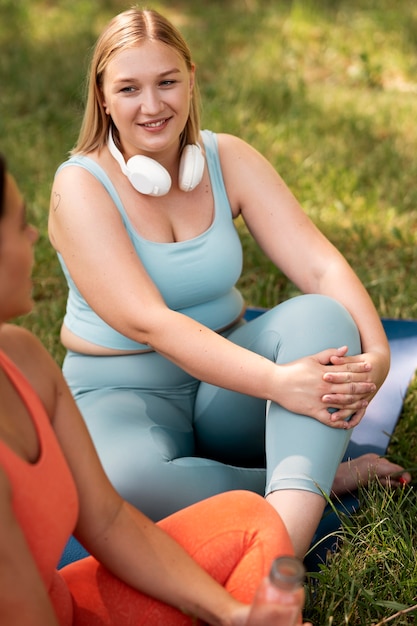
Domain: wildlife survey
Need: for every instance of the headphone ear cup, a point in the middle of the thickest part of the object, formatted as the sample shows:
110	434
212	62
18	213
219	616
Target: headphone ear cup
148	176
191	167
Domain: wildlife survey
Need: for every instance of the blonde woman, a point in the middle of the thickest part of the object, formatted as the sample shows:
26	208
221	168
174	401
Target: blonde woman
183	399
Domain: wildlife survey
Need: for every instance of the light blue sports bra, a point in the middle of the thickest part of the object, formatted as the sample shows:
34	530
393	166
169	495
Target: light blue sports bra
196	277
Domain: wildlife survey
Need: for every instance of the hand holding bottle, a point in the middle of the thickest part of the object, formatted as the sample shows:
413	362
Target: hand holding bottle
280	598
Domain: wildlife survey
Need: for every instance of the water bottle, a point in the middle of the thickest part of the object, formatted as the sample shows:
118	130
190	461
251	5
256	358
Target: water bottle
279	600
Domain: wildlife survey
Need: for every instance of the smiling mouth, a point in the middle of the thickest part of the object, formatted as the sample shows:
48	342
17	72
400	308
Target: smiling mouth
154	124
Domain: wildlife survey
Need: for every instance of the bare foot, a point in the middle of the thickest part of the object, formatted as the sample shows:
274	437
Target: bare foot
366	468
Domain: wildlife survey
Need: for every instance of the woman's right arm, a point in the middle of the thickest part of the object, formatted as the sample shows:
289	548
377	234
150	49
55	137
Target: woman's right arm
23	596
87	230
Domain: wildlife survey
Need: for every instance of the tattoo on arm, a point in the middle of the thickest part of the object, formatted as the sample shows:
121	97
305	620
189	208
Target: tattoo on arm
57	200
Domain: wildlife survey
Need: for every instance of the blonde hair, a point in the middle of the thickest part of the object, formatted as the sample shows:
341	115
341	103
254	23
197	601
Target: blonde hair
126	30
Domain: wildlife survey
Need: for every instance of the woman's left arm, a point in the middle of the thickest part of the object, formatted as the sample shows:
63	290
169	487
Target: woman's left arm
295	245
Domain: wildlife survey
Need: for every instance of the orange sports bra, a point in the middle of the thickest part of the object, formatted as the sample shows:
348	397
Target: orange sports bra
45	499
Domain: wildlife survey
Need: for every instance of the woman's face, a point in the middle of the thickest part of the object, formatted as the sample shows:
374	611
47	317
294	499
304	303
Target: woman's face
147	92
17	238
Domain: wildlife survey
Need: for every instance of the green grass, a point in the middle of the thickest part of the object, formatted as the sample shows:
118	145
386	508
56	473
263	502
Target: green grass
372	578
327	91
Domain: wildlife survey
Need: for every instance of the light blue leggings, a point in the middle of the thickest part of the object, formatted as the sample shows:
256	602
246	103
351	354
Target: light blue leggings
167	440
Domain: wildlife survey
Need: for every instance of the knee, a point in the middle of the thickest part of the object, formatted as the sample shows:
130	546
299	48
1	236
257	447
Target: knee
317	306
259	519
249	506
316	322
335	322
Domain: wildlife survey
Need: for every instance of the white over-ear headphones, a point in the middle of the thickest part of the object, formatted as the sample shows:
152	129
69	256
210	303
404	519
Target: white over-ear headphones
151	178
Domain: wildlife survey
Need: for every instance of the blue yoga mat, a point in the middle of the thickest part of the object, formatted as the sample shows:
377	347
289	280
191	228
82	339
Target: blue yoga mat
373	434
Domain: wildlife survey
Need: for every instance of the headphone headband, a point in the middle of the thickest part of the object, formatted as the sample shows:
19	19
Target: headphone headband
149	177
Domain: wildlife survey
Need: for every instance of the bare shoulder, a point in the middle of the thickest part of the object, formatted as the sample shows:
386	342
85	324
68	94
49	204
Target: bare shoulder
242	167
234	151
69	170
228	142
25	350
33	360
79	202
67	181
17	341
71	180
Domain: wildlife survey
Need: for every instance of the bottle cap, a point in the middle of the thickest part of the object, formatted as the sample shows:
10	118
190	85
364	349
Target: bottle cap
287	572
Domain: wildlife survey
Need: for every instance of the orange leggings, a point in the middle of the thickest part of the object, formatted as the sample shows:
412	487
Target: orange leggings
234	536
